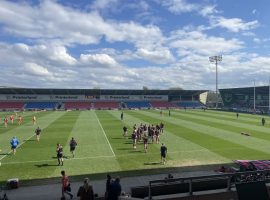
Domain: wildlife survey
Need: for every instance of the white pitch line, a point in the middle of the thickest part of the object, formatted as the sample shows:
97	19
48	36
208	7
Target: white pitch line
104	133
17	147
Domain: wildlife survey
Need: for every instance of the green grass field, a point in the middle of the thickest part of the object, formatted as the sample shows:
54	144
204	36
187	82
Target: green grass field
194	139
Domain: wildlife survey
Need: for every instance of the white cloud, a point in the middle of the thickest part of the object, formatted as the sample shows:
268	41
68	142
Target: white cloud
159	56
199	43
233	24
36	69
208	10
98	60
179	6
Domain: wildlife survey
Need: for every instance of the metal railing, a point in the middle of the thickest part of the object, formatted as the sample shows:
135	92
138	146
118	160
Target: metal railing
232	179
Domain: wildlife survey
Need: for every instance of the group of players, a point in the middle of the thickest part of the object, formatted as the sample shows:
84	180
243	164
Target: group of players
11	118
14	142
146	134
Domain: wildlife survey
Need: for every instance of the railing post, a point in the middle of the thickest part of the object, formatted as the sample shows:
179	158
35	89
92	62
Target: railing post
190	187
149	192
229	183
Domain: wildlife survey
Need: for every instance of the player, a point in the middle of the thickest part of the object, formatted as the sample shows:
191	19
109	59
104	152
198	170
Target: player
72	145
161	113
122	115
20	120
6	122
125	129
145	141
59	154
169	113
34	120
134	138
11	118
14	144
237	115
161	125
263	121
38	132
163	152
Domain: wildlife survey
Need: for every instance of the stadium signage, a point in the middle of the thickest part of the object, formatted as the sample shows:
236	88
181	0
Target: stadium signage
134	97
42	97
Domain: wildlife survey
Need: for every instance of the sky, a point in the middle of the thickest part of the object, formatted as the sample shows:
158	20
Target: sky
131	44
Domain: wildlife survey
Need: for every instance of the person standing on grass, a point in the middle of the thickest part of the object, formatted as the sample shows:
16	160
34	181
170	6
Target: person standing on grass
38	132
59	154
72	145
34	120
163	152
169	113
6	122
125	129
263	121
65	186
14	144
237	115
86	192
122	116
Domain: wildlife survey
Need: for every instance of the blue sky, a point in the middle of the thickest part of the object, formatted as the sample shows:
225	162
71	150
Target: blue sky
128	44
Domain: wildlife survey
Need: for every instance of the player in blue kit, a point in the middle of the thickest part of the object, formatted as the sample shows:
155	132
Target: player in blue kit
14	144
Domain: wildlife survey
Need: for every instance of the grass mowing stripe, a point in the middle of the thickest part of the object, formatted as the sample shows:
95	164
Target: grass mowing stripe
236	127
224	124
242	118
252	124
104	133
212	137
92	147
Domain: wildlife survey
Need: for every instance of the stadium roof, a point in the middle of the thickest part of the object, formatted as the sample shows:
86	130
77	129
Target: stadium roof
247	90
40	91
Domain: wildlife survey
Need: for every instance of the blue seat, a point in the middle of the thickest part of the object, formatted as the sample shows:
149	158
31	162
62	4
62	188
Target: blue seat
138	104
40	105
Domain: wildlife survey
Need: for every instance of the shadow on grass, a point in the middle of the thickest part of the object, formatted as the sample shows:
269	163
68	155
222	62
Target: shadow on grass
153	163
4	154
46	165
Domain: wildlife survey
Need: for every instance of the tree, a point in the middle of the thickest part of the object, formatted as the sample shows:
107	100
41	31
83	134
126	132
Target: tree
145	88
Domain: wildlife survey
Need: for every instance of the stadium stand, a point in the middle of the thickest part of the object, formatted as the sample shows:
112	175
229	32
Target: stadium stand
190	104
162	104
138	104
11	105
78	105
106	105
40	105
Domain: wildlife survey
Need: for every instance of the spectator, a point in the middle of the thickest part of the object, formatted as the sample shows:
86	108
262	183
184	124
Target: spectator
108	182
86	192
115	189
65	186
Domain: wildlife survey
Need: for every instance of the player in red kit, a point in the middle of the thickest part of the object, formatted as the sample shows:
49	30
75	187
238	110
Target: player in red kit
20	120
